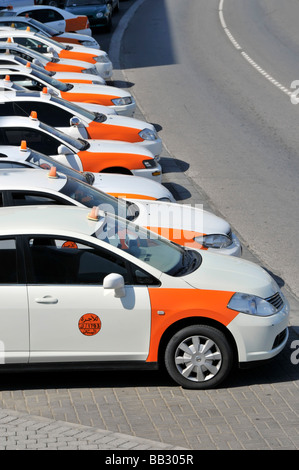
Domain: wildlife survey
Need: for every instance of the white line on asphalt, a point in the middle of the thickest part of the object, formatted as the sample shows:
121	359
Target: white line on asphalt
246	56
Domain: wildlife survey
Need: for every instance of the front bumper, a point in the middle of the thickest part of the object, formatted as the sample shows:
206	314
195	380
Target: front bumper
260	338
125	110
154	146
154	174
105	70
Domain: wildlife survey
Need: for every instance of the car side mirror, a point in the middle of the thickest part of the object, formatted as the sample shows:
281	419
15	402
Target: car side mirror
116	282
75	121
64	150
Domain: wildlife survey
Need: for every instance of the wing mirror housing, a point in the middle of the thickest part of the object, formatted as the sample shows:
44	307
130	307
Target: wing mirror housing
116	282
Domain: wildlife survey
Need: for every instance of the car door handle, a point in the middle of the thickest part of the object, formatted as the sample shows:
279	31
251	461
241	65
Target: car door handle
46	300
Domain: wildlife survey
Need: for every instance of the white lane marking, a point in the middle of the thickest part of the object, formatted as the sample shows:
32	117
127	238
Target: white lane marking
246	56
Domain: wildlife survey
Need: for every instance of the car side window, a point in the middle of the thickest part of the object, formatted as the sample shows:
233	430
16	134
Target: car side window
8	261
20	198
48	113
62	261
35	139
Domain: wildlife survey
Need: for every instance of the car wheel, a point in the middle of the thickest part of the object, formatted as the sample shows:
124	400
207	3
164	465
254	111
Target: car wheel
198	357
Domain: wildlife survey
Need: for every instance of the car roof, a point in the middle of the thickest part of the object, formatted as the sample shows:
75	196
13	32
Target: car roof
28	178
43	219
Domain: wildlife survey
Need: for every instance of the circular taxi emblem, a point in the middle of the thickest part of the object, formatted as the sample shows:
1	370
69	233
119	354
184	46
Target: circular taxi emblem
89	324
69	244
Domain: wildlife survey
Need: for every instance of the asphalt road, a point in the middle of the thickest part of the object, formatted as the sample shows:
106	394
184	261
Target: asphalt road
230	120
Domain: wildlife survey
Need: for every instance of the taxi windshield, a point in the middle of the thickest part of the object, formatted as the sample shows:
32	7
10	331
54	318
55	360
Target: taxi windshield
147	246
79	144
43	27
50	81
45	162
90	197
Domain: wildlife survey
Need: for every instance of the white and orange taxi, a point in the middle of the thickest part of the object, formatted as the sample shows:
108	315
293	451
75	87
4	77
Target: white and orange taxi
61	20
120	186
52	64
50	48
22	22
121	101
89	289
77	121
183	224
81	154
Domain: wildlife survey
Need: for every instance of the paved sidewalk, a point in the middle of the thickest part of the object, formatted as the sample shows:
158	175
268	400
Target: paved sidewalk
20	431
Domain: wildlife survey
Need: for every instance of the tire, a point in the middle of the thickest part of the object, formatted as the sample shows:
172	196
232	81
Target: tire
198	357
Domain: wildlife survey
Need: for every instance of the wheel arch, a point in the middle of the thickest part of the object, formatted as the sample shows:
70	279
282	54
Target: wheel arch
180	324
117	169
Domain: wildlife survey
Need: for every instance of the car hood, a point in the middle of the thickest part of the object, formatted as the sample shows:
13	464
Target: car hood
88	10
117	146
181	217
129	122
227	273
78	76
98	89
130	187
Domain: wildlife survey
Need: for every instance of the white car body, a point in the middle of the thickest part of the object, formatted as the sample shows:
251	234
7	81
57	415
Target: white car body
22	22
177	222
64	22
80	154
7	85
53	63
76	121
83	93
65	53
121	186
16	63
80	305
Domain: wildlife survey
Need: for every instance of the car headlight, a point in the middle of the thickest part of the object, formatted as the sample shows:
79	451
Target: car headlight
122	101
214	241
103	59
148	134
91	70
251	304
151	163
88	43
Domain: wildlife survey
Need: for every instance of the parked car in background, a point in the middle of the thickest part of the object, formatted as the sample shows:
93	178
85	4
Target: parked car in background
80	154
120	186
76	121
61	52
62	20
115	98
98	12
22	22
26	187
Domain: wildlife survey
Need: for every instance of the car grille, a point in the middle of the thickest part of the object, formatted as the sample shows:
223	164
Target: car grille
276	300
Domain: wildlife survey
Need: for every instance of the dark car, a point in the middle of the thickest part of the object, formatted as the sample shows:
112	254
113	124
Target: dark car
99	12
